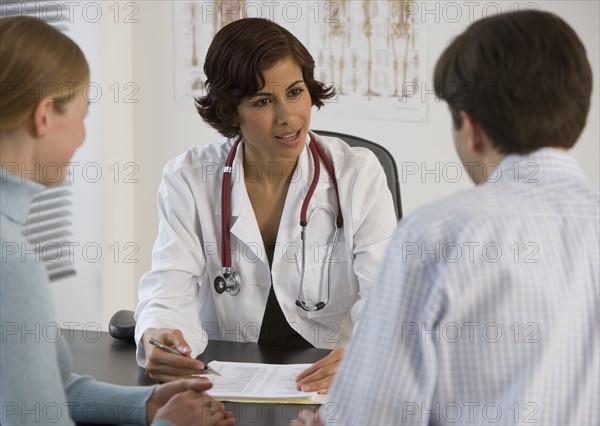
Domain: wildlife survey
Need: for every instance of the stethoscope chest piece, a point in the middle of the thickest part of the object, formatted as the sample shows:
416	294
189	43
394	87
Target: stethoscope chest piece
228	282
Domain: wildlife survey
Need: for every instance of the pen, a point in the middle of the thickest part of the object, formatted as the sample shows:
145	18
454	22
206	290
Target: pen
170	350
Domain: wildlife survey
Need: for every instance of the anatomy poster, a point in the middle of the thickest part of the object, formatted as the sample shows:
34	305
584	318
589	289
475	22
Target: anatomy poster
372	51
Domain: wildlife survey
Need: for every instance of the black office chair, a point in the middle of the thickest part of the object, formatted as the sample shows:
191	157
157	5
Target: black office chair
122	324
385	158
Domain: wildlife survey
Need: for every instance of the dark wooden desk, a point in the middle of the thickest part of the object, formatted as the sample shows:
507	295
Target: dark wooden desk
109	360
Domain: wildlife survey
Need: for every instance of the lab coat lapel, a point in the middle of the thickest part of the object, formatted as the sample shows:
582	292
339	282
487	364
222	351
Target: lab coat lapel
325	181
243	222
289	228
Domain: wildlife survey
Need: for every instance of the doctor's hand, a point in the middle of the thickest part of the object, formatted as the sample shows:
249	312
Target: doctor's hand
319	376
183	402
163	366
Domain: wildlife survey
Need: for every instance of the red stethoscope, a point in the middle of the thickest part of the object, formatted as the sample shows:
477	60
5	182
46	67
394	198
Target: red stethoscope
229	281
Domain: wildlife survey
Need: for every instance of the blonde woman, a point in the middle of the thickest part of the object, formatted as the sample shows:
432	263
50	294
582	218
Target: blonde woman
42	106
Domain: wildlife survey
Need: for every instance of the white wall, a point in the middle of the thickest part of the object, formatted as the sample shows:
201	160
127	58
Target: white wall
76	297
153	130
119	211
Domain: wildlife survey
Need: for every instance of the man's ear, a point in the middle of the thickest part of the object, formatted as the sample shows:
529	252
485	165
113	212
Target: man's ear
41	116
473	132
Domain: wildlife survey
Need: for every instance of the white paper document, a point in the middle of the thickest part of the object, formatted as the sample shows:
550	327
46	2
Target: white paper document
253	381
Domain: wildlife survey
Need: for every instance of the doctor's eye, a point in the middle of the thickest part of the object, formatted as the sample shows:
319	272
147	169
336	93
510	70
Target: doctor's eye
295	92
262	102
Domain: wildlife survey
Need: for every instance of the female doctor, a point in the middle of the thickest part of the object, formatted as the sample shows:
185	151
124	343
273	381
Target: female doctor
229	262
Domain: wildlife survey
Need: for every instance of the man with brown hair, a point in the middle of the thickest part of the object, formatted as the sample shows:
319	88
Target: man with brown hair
487	307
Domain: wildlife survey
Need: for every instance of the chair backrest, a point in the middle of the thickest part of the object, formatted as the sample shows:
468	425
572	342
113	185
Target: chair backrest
385	158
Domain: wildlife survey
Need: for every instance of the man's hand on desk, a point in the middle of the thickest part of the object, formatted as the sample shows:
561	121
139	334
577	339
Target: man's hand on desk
163	366
183	402
320	375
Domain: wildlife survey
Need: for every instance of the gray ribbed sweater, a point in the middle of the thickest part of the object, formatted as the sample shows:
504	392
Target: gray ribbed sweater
37	385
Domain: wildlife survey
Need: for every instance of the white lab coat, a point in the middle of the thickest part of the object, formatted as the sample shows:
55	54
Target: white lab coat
178	291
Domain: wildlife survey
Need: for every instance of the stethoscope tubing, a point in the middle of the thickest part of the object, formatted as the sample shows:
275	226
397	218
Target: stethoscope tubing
318	154
226	207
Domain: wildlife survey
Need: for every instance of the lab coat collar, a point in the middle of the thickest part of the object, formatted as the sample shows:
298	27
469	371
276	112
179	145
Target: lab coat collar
243	220
305	171
301	179
238	191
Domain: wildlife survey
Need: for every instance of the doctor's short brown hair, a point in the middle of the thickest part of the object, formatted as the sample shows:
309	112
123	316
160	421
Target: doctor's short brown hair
523	76
236	59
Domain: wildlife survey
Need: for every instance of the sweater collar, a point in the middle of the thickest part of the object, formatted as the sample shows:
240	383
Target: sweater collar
16	194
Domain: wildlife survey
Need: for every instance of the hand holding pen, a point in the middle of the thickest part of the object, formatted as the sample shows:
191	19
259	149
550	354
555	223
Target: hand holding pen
169	349
172	363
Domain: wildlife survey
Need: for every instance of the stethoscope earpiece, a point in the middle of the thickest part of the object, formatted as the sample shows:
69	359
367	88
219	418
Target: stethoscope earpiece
318	306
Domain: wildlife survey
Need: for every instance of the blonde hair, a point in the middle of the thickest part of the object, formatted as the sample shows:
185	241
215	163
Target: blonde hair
37	62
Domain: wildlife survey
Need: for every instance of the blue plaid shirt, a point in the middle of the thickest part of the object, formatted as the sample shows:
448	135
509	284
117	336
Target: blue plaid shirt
487	308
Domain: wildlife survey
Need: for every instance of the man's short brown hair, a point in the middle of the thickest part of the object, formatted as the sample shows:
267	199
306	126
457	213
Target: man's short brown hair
523	76
236	59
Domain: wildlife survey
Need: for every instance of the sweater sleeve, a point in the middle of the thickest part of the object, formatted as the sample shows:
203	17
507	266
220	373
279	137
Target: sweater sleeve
91	401
36	382
31	386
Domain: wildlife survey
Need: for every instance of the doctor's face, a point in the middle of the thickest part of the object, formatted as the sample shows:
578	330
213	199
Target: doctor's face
275	120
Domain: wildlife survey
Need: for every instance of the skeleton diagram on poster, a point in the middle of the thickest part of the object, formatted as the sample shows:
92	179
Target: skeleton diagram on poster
373	51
